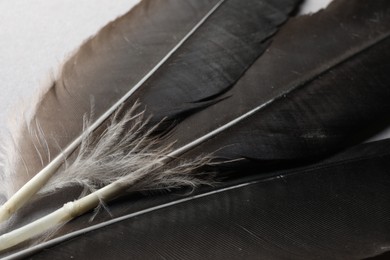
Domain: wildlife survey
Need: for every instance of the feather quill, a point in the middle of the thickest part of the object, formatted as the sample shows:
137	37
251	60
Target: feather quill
307	108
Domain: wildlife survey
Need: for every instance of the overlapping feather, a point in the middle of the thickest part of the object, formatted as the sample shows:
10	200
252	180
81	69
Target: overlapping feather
254	22
284	110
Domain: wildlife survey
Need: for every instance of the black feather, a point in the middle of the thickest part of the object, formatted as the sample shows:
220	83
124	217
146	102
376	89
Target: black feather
321	86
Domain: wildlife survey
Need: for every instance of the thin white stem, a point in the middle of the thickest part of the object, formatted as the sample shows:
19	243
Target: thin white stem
25	193
37	227
41	178
69	211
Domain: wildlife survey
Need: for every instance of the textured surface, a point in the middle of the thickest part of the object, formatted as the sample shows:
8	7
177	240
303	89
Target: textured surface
334	209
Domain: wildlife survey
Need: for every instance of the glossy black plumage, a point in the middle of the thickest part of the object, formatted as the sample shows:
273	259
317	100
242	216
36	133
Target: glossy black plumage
322	101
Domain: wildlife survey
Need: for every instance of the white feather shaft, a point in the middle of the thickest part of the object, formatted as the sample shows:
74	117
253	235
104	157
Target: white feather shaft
25	193
24	233
74	209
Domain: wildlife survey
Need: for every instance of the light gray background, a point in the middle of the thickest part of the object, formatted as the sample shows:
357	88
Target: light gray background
36	36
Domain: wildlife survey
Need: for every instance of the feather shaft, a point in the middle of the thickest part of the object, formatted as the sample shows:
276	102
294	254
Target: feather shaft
74	209
17	236
22	196
61	216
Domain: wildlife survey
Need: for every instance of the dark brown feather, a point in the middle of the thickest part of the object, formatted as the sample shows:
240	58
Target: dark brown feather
317	100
